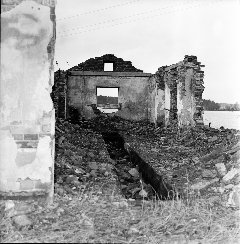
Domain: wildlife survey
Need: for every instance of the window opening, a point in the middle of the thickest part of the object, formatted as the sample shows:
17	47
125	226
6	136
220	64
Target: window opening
107	99
108	66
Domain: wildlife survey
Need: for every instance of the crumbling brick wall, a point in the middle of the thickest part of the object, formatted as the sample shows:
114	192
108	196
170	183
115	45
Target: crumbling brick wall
183	87
59	93
97	64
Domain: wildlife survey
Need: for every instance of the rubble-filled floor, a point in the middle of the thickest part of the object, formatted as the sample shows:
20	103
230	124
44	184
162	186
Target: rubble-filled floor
100	196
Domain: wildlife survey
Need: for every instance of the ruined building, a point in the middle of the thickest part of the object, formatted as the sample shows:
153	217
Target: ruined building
171	96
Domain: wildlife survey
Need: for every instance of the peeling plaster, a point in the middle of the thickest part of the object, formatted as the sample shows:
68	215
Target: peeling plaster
26	111
167	103
183	84
133	94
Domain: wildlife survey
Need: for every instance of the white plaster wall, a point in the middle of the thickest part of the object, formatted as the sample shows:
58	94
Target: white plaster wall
26	105
167	103
152	91
185	103
159	106
133	94
179	103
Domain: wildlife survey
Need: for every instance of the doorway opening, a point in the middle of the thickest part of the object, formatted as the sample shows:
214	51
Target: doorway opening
107	99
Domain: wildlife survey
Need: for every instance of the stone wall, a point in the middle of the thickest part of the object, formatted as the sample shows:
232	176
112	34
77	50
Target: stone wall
97	64
59	93
133	92
26	109
183	86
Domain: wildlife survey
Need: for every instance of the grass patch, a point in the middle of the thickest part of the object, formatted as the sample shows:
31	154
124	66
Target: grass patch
94	217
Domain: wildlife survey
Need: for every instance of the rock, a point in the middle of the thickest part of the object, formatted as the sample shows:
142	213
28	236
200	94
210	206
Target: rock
214	199
236	179
133	230
103	154
23	208
234	198
155	150
78	161
60	140
221	189
59	191
77	184
9	210
212	139
196	160
134	190
230	186
93	165
134	172
102	169
22	221
53	206
93	173
9	204
91	155
125	175
234	149
229	137
236	157
221	169
143	193
71	179
230	175
122	204
203	184
79	171
86	222
60	211
123	186
221	159
207	173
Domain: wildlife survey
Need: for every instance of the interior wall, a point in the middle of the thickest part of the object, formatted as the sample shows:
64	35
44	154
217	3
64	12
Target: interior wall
133	94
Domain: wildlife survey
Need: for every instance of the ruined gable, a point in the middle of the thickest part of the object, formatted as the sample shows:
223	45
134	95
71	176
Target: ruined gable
97	64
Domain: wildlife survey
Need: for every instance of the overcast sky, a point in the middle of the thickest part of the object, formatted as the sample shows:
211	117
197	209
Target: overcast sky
153	33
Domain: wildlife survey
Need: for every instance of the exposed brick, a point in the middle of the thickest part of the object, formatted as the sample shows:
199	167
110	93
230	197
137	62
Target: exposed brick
97	64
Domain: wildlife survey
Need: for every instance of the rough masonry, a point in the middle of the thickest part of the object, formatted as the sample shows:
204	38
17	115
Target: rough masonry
171	96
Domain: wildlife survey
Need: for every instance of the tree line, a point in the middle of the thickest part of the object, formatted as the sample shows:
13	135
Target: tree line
209	105
106	99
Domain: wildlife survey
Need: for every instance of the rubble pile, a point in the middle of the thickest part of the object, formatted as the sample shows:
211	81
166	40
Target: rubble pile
82	159
196	161
199	160
109	128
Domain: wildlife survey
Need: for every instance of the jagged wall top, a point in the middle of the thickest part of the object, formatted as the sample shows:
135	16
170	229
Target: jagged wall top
97	64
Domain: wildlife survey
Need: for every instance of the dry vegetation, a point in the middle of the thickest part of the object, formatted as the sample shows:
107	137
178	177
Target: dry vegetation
94	217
